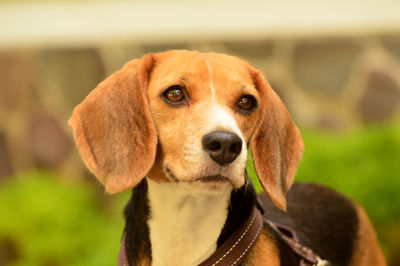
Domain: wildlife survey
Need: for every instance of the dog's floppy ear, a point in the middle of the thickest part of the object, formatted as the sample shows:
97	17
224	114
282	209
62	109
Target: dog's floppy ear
113	127
276	143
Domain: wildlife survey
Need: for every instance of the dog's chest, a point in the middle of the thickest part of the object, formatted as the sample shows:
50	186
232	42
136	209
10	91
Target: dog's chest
184	228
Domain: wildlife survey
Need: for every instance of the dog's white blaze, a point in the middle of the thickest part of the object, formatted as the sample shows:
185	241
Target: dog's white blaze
222	119
184	225
211	82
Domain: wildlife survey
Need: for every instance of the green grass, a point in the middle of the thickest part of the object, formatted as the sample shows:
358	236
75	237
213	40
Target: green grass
52	222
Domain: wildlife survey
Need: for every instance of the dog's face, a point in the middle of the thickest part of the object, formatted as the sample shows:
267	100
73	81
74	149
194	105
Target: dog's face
204	108
189	118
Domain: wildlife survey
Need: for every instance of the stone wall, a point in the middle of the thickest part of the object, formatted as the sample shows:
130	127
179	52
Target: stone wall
334	83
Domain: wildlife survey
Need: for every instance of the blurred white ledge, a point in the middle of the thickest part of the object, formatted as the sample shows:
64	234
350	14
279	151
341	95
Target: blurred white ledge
102	23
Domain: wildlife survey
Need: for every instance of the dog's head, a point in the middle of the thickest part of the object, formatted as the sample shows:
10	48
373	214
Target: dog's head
189	118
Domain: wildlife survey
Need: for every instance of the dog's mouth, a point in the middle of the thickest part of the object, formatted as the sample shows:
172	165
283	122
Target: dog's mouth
213	179
217	178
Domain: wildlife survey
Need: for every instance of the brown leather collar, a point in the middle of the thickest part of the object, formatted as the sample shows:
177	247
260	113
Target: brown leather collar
235	249
122	257
307	257
232	252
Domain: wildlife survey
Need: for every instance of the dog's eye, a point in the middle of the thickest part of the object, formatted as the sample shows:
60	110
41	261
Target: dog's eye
174	94
246	104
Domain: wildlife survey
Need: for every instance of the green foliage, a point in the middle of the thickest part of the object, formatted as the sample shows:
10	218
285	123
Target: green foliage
52	223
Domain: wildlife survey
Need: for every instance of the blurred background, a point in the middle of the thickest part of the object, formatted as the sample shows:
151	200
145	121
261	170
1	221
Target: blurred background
336	65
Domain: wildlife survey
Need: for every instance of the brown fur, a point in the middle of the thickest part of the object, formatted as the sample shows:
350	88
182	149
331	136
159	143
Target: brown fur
264	252
366	251
282	144
113	128
144	260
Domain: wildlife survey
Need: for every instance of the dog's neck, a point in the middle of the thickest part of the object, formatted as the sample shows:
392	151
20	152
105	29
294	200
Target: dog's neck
184	226
139	247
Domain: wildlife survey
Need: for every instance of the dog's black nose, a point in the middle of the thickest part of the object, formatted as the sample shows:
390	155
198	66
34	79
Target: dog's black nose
222	146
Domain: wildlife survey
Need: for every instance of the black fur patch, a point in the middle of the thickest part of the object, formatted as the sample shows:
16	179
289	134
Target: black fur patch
137	231
240	207
324	221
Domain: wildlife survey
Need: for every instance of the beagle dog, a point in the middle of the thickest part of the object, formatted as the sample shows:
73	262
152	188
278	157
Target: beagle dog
176	128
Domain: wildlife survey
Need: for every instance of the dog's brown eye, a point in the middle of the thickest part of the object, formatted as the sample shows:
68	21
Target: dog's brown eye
174	94
246	103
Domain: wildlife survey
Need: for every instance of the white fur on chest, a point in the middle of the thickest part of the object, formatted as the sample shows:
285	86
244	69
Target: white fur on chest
184	226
